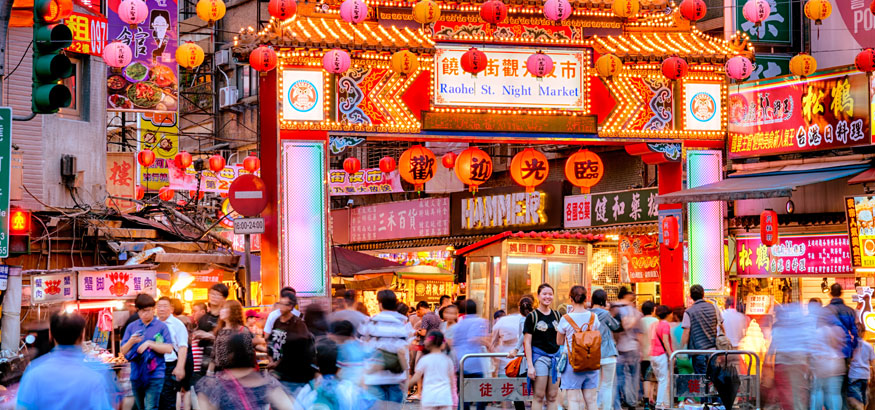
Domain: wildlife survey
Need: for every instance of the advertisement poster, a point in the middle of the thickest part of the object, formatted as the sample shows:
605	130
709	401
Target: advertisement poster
150	81
366	181
507	83
640	255
57	287
121	180
703	106
757	305
610	208
861	230
826	111
215	182
159	133
89	33
124	284
816	255
397	220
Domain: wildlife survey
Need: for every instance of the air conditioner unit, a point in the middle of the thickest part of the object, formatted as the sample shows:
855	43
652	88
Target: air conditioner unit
223	57
227	96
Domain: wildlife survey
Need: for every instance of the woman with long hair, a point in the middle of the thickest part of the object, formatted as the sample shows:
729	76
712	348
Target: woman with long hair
230	323
542	351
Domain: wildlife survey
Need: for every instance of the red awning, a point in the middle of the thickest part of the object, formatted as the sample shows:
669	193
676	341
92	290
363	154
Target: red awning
530	235
864	177
345	262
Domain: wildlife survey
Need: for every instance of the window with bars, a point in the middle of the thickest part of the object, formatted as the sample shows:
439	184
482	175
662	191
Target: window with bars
605	271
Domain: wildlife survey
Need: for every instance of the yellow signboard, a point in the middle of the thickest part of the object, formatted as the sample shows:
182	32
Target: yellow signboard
159	133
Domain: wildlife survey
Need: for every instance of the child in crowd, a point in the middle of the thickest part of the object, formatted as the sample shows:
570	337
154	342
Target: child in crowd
858	373
435	369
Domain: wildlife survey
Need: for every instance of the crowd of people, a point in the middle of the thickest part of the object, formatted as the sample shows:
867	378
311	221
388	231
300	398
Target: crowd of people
576	353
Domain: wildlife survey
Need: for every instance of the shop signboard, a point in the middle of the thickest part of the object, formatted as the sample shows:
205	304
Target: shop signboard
540	249
611	208
215	182
502	389
5	177
159	133
432	290
89	33
302	95
121	180
364	182
828	110
770	65
507	83
640	253
775	29
859	211
505	209
677	213
116	284
794	255
56	287
149	83
398	220
757	305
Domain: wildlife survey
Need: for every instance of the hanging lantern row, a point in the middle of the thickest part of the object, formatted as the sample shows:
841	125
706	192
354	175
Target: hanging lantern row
769	227
387	164
282	9
818	10
166	194
474	61
674	68
352	165
693	10
449	160
756	11
404	62
336	61
140	192
146	158
670	232
133	12
251	163
117	54
865	60
539	64
529	168
626	8
473	167
493	11
557	10
417	166
217	163
263	59
608	65
182	160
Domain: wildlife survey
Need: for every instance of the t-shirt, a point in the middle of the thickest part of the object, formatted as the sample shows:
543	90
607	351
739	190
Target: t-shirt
645	324
863	355
292	346
661	329
543	330
179	335
273	316
207	323
155	331
581	319
436	388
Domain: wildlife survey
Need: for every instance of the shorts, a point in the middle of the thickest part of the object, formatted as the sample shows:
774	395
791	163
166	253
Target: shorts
542	366
647	372
858	389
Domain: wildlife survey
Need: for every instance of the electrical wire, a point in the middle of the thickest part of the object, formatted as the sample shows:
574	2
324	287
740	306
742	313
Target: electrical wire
24	54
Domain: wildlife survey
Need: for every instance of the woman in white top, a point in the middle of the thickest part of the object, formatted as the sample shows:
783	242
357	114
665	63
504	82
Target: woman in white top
526	306
581	388
505	335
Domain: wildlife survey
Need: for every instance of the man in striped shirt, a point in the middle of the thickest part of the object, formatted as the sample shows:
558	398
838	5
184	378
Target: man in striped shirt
700	327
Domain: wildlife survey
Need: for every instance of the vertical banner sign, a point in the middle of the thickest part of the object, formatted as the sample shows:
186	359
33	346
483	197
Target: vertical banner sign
159	133
149	82
775	29
121	180
861	230
5	177
640	254
89	33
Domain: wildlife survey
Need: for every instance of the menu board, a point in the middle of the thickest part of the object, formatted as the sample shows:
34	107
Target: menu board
861	230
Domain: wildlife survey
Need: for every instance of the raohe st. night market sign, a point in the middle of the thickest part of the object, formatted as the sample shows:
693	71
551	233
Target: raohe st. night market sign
828	110
507	83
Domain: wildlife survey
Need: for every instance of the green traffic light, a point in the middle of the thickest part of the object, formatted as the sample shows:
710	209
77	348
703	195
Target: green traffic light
49	98
52	37
50	65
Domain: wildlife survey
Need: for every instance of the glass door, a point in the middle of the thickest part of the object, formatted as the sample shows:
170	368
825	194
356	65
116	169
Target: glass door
562	276
478	284
523	277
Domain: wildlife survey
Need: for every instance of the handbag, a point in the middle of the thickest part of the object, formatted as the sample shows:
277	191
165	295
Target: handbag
515	367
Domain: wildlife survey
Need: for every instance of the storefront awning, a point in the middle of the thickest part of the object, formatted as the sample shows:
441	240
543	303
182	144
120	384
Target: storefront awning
761	185
417	272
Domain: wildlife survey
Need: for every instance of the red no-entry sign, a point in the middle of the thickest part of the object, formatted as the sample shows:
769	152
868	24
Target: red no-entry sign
248	195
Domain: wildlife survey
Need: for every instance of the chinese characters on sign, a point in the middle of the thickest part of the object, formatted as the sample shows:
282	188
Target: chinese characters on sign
826	254
861	230
366	181
757	304
5	176
609	208
519	248
159	133
149	82
89	33
397	220
59	287
507	83
431	290
215	182
640	254
777	118
116	284
496	389
120	180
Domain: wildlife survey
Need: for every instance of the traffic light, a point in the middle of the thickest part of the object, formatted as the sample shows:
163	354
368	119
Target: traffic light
19	232
50	36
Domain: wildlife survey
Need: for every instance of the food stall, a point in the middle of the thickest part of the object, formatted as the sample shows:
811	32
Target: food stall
410	283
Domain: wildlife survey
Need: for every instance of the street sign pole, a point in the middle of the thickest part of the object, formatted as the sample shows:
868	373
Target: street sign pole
248	196
248	277
5	177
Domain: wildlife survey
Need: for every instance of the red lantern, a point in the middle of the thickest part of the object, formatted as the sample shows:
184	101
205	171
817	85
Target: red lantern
584	169
165	193
282	9
217	163
493	11
474	61
417	166
693	10
146	158
872	7
670	232
769	227
352	165
141	192
182	160
449	160
387	164
473	167
529	168
263	59
192	193
865	60
674	68
251	163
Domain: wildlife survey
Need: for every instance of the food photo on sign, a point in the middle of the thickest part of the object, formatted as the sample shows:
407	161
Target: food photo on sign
640	255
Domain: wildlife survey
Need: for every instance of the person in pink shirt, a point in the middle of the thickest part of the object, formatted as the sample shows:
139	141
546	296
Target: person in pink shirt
660	350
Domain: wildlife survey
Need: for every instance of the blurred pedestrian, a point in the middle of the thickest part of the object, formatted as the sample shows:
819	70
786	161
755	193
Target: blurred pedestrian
841	315
427	323
387	334
449	314
828	366
175	360
660	350
435	371
859	374
505	336
648	379
443	301
62	379
629	348
526	307
252	318
581	387
349	312
352	355
421	309
683	362
179	312
144	344
239	386
291	347
206	325
472	337
791	347
316	320
608	371
230	323
734	323
542	351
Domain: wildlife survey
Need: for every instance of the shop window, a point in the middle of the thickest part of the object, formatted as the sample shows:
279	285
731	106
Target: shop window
562	276
605	272
478	284
78	84
523	278
247	81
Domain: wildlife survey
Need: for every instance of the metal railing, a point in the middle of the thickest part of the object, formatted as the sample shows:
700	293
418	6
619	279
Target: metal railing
753	380
514	381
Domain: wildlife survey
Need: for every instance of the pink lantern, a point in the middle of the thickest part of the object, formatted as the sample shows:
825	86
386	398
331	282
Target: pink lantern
539	64
117	54
353	11
133	12
756	11
336	61
557	10
739	68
